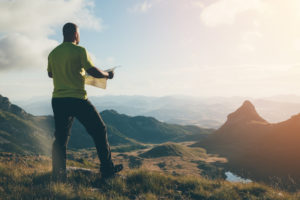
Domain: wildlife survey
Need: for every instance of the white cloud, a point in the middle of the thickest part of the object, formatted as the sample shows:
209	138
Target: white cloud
254	31
198	3
248	40
141	7
26	26
296	44
225	11
18	51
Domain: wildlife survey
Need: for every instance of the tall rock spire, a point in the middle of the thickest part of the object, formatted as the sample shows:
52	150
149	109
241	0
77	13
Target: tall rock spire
244	114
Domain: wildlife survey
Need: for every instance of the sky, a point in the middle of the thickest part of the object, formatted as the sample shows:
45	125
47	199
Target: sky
165	47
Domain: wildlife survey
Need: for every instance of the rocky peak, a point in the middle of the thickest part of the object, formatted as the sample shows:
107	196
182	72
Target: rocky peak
245	113
4	103
7	106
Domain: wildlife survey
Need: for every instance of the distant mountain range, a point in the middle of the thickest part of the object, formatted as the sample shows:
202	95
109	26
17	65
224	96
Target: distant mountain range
25	133
184	110
258	149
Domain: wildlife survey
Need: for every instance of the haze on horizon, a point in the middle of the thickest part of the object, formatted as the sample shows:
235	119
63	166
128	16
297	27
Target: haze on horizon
188	47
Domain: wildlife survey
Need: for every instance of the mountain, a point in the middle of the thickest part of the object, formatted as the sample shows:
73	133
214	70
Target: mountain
209	112
171	109
127	130
150	130
21	132
245	114
7	106
24	133
255	148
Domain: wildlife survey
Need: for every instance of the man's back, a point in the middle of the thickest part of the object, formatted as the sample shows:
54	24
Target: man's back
67	63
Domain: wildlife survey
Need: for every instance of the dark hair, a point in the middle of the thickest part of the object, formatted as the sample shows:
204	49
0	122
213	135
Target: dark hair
69	31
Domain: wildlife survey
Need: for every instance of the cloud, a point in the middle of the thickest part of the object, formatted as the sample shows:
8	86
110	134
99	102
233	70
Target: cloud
19	51
252	32
197	3
25	27
226	11
248	40
141	7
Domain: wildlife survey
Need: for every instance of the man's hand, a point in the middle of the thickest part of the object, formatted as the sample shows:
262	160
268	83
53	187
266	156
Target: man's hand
97	73
111	74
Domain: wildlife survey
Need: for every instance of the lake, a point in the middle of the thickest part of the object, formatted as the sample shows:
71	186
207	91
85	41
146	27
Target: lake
234	178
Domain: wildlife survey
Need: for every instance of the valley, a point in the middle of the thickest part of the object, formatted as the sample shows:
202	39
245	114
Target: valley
173	156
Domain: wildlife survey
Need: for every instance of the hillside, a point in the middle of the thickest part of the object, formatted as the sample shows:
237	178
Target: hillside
168	149
29	178
150	130
21	132
257	149
24	133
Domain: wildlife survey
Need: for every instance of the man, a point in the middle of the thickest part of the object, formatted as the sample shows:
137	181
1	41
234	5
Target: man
67	65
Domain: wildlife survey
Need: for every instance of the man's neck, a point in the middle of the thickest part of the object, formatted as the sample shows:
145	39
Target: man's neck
74	42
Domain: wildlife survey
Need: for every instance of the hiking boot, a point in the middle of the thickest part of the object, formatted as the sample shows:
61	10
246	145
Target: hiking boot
110	173
60	176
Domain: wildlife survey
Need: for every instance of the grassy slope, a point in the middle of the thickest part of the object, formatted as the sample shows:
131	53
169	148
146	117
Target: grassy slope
149	130
29	178
12	132
34	134
169	149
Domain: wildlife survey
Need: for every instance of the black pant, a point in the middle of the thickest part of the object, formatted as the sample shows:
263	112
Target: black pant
65	109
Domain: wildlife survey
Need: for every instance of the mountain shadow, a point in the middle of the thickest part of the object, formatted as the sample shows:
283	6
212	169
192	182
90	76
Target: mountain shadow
257	149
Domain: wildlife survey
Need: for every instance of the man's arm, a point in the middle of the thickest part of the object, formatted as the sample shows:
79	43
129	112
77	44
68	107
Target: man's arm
97	73
50	74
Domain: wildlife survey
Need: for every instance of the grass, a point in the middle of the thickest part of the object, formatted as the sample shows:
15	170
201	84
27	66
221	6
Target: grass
29	178
171	149
128	148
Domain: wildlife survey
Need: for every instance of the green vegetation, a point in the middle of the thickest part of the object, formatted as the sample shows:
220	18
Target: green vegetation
128	148
21	132
165	171
210	171
29	178
172	149
149	130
